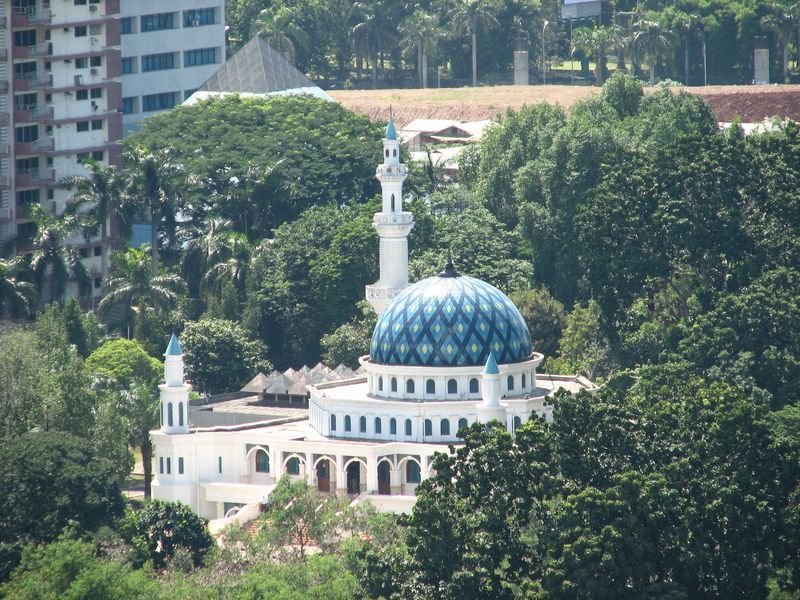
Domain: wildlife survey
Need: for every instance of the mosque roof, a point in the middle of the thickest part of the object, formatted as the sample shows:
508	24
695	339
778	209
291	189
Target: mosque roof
450	320
391	131
174	347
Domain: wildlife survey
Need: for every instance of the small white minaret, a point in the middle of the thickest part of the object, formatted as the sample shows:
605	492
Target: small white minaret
490	408
393	225
174	391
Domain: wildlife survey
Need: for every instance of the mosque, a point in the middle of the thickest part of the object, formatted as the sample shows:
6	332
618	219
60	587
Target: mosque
446	352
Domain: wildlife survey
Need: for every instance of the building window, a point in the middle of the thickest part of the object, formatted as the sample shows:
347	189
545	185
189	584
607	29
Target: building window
413	474
126	25
510	382
347	423
517	423
188	93
444	427
98	155
362	424
394	384
408	427
380	384
169	465
98	251
80	31
462	423
161	465
219	464
98	283
82	157
393	426
409	386
158	62
82	126
473	386
27	134
128	106
81	63
153	102
523	381
97	124
262	462
80	2
83	252
430	386
180	465
95	61
198	17
428	427
157	22
25	38
27	197
180	414
452	386
169	414
201	56
378	425
293	466
96	93
128	65
82	95
333	422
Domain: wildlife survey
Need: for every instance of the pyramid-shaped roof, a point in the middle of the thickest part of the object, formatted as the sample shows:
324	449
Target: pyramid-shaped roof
257	68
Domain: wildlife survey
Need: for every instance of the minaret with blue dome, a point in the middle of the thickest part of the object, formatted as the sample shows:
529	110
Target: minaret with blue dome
174	391
392	224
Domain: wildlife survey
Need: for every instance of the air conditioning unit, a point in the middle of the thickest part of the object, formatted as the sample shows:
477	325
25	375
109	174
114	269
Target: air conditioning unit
78	79
93	71
93	8
94	41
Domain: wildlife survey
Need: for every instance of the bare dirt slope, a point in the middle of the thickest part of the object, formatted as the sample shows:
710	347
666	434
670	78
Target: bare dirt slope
751	103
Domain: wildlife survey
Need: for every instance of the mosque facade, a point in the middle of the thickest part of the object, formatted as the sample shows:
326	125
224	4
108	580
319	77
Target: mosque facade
446	352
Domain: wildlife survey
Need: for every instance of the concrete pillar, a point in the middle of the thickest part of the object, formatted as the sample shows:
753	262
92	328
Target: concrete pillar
521	69
395	482
341	477
275	465
761	66
311	472
372	475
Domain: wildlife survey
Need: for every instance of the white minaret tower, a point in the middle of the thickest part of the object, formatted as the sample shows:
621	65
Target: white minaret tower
174	391
393	225
491	409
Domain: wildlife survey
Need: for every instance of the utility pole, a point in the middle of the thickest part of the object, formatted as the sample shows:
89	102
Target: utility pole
544	72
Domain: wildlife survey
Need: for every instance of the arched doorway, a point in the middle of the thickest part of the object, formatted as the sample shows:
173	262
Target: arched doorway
324	475
384	478
354	477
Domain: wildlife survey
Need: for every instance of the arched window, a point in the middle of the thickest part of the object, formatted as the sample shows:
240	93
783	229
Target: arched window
347	423
377	425
523	381
392	202
293	466
393	426
380	384
387	153
180	414
394	152
262	462
409	386
430	386
428	427
333	422
462	423
408	427
169	414
394	384
362	424
452	386
412	472
517	423
473	386
444	427
510	382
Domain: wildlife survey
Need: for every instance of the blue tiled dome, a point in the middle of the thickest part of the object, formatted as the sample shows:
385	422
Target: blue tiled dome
450	320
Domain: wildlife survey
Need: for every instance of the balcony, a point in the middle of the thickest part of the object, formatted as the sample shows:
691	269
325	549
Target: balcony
5	183
3	54
3	23
4	150
31	15
44	144
43	49
33	113
32	80
5	215
4	87
5	119
35	176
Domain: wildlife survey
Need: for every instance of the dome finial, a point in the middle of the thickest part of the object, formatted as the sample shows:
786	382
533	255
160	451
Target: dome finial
391	132
449	268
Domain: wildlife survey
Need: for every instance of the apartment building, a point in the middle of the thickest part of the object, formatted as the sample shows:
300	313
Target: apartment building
169	49
60	101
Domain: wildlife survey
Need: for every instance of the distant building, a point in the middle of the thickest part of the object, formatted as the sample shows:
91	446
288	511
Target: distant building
168	50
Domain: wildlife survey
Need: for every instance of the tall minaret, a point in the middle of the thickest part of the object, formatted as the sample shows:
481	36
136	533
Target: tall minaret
174	391
393	225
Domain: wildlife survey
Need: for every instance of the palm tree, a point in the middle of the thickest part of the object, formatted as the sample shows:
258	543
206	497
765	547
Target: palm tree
372	33
133	287
282	33
782	20
101	193
652	41
467	16
140	404
595	42
420	30
205	248
154	184
54	260
17	297
230	265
